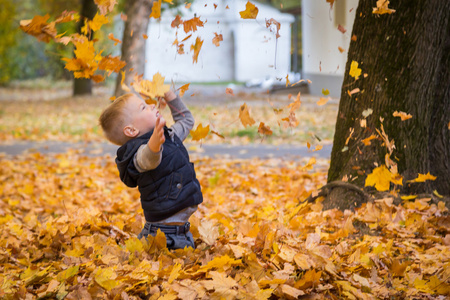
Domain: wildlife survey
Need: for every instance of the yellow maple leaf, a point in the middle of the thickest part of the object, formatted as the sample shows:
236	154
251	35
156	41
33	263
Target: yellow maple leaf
39	28
244	116
196	47
222	284
111	64
423	178
175	272
355	72
97	22
221	262
199	133
152	89
380	178
250	12
156	10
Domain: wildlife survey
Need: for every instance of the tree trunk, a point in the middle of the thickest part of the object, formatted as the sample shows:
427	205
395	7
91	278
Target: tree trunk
133	43
406	58
83	86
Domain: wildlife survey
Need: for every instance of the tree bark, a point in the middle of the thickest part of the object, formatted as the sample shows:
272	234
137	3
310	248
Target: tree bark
83	86
406	58
133	44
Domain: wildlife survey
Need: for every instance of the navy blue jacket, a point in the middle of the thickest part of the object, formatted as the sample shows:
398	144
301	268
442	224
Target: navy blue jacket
169	188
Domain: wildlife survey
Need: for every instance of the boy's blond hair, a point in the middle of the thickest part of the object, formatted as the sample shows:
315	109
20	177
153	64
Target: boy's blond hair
114	118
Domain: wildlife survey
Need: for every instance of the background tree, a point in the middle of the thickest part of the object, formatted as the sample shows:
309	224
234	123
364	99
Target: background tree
133	45
406	58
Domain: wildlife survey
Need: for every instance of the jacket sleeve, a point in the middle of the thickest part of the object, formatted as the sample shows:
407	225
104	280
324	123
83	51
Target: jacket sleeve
184	121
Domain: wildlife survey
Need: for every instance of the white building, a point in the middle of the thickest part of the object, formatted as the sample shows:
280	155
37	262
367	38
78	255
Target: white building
323	63
249	49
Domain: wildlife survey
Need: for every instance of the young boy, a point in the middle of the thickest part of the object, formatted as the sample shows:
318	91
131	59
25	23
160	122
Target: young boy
153	158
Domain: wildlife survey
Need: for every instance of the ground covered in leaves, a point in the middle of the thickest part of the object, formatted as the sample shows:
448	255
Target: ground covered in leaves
69	231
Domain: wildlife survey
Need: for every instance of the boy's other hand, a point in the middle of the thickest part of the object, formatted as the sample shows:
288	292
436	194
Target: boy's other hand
157	138
169	96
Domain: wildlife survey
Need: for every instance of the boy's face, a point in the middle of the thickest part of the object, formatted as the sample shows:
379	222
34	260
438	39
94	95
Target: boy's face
143	116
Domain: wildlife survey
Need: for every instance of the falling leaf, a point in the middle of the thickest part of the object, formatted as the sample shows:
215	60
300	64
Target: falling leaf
152	89
287	80
355	72
250	12
341	49
423	178
112	64
97	22
382	8
217	39
123	17
244	116
323	101
112	38
325	92
192	24
105	6
277	24
156	10
176	22
39	28
404	116
354	38
354	91
341	28
144	36
199	133
229	91
183	89
196	47
263	129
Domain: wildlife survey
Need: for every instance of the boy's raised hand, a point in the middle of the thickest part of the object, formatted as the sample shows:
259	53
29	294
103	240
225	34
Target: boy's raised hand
157	138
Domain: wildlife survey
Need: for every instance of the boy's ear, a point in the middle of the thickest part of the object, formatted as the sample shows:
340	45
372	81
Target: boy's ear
130	131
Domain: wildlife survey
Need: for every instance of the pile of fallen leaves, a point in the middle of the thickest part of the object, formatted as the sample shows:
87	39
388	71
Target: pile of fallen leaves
69	231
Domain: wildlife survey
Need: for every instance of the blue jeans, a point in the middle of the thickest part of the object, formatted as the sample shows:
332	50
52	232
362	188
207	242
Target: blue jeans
177	237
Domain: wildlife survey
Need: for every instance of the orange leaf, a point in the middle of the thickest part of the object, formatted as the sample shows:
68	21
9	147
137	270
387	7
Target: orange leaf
39	28
105	6
263	129
176	22
277	24
229	91
341	49
367	141
250	12
156	10
67	16
244	115
341	28
145	36
112	38
217	39
112	64
183	89
196	47
404	116
191	24
382	8
200	133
